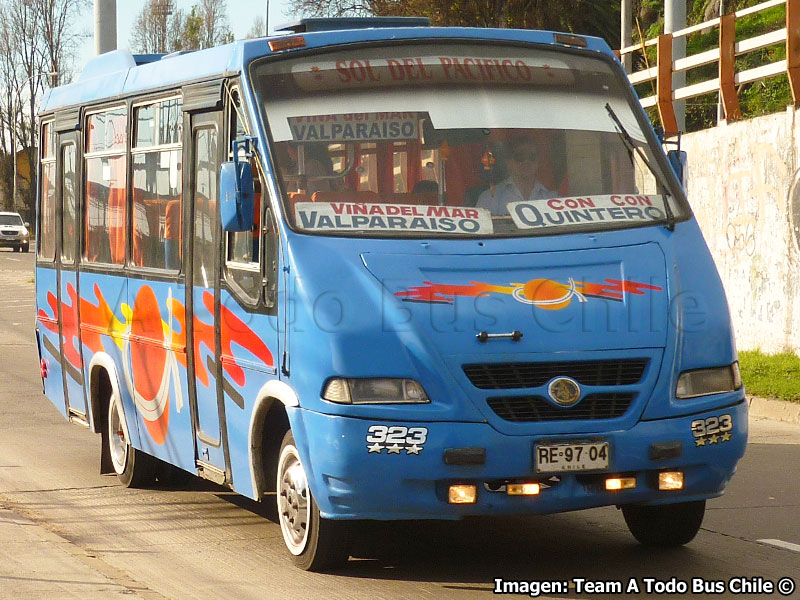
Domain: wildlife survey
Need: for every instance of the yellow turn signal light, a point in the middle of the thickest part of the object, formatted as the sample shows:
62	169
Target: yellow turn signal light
523	489
614	484
670	480
462	494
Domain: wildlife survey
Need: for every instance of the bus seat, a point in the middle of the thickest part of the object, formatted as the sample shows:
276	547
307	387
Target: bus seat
172	220
172	235
365	196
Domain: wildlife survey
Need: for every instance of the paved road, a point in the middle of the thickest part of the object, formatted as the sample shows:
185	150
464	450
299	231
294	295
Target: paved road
68	532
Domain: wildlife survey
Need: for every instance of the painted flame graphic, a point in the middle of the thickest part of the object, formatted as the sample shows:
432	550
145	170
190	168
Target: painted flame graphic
542	293
152	346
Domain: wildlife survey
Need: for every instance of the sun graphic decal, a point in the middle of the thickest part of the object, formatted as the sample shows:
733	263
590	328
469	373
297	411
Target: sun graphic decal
542	293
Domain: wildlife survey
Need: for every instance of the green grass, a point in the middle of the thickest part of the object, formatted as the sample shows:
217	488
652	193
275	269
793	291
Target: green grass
771	375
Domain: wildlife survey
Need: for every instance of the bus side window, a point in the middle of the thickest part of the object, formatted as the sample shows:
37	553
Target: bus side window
157	185
242	257
105	160
69	204
46	241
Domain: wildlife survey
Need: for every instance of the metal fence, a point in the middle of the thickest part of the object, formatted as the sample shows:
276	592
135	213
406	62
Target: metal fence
728	79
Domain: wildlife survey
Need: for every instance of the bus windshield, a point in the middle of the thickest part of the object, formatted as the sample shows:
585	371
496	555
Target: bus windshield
453	140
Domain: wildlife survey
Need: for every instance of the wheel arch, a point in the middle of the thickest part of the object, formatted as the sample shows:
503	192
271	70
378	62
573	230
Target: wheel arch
103	365
268	423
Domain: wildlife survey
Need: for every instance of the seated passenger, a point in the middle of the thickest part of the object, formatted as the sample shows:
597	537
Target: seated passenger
521	184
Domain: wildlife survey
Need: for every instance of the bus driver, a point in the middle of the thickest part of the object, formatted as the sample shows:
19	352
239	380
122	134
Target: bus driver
521	184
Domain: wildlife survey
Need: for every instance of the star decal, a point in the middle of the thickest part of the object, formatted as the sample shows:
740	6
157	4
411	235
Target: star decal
413	449
700	442
376	447
713	439
726	437
393	449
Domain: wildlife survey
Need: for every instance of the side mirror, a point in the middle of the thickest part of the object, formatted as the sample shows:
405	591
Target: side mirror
27	225
677	160
236	196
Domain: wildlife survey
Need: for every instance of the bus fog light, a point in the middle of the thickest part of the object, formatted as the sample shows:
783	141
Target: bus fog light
523	489
462	494
670	480
614	484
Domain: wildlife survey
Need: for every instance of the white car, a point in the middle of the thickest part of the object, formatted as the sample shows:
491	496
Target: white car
14	232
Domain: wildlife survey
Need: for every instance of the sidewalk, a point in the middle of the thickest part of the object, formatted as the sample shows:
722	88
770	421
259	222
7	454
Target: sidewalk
777	410
38	563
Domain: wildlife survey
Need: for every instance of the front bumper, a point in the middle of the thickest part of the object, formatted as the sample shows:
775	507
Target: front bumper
350	482
7	241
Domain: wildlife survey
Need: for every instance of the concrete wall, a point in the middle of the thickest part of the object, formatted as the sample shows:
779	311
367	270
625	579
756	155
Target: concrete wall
742	183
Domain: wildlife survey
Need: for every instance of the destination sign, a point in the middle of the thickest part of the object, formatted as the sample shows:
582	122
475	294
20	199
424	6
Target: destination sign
348	216
376	72
587	210
355	127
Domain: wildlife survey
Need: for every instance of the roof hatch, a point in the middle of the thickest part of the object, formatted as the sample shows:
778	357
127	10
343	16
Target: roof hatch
339	23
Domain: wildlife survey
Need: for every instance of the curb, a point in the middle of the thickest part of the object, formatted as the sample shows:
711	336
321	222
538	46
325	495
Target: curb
778	410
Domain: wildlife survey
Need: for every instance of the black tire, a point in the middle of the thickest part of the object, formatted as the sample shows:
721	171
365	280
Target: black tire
134	468
26	248
665	525
315	543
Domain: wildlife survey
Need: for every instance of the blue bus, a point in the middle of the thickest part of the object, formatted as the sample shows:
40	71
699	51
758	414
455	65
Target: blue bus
373	269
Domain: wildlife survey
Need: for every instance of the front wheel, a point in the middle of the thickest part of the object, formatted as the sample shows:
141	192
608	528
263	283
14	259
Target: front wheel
316	543
133	467
665	525
26	248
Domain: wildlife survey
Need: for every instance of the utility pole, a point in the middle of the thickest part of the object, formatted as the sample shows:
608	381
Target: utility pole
674	20
626	35
266	19
105	26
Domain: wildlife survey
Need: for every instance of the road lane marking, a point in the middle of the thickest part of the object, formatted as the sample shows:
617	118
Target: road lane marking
782	544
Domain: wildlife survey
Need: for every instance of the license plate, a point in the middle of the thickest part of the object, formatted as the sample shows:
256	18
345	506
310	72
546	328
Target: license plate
556	458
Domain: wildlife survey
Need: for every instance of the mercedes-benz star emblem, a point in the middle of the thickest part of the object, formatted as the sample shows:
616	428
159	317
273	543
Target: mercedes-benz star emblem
564	391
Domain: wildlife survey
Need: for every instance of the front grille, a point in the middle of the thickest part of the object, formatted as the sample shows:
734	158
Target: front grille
505	376
526	409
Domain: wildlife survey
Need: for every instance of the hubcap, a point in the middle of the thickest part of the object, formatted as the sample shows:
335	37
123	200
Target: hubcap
117	443
293	500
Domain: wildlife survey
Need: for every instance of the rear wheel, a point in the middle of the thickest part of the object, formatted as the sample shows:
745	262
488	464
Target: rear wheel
665	524
133	467
316	543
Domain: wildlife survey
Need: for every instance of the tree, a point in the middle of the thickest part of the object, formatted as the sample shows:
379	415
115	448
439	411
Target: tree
257	30
591	17
159	28
215	30
36	39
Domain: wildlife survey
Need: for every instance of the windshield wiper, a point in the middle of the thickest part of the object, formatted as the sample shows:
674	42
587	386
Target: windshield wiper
632	147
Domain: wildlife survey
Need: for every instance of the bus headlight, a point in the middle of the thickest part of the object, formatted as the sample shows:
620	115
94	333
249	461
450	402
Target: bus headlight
374	391
703	382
